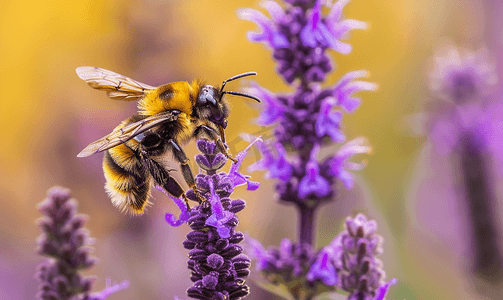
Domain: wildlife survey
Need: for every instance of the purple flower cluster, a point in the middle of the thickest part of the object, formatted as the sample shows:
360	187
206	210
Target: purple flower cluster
216	260
468	122
310	116
299	36
66	244
348	263
354	254
305	120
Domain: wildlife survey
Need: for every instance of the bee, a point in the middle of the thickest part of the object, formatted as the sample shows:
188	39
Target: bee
168	117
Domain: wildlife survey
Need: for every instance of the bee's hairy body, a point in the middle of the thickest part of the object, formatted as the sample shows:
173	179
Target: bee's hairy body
168	117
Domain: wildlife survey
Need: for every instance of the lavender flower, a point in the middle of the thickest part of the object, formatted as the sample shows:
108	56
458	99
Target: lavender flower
66	243
459	75
299	36
354	254
307	119
465	123
348	263
287	266
217	265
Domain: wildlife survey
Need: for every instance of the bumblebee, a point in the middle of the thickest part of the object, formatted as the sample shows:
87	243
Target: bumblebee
168	117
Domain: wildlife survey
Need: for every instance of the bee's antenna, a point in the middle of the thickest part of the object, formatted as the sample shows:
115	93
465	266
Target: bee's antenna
241	94
236	77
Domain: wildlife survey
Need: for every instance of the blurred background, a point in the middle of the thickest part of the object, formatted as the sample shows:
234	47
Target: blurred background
48	115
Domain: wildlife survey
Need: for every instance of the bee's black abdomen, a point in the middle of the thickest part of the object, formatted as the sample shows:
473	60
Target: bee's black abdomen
128	183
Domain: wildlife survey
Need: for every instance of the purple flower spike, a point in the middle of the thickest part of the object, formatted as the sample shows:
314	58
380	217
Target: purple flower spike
328	122
269	35
339	164
346	87
303	120
216	262
356	250
313	183
65	242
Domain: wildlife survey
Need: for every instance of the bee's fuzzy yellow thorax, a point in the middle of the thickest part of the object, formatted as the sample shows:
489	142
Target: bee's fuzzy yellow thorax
176	95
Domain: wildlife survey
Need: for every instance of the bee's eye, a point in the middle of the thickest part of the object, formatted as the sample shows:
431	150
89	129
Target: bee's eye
207	95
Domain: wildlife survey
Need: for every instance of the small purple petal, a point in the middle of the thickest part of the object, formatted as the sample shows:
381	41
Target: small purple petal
252	185
111	289
328	123
272	108
346	87
323	269
184	215
383	289
339	164
313	182
219	216
269	33
256	251
240	179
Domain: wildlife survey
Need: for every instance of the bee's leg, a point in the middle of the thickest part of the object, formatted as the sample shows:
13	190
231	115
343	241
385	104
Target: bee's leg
213	134
187	173
162	178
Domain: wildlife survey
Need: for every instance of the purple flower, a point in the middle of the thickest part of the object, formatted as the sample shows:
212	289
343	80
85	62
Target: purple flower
66	243
328	122
184	215
217	265
270	34
323	269
287	264
272	109
277	167
312	182
383	290
344	89
459	75
461	81
326	32
219	217
355	251
339	163
305	120
238	178
464	119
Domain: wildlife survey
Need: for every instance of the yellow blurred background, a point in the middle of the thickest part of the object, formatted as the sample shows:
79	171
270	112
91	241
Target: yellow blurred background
48	115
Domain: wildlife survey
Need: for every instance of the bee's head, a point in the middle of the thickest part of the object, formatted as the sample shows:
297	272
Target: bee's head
211	106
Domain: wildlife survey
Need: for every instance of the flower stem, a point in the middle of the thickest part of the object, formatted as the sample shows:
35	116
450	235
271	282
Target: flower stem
488	262
306	225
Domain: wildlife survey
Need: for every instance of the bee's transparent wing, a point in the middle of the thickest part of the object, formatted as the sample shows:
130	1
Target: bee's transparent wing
122	134
118	87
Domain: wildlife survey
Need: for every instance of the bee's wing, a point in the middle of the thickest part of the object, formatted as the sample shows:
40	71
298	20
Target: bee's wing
118	87
123	134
